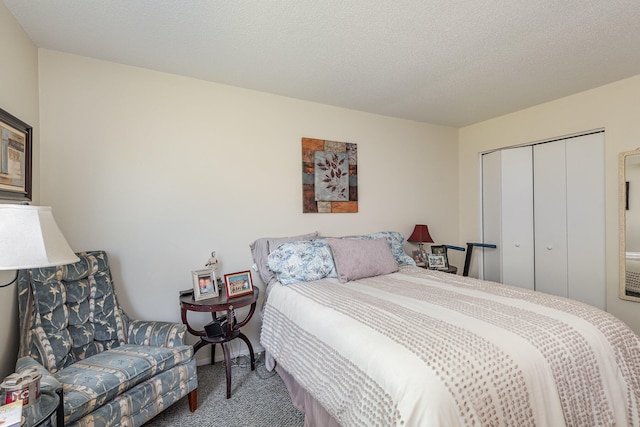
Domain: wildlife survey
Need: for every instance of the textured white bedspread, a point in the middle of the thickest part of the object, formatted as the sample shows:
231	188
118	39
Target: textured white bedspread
427	348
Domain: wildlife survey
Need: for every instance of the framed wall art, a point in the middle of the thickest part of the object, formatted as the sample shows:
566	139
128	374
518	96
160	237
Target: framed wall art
15	158
204	284
238	284
329	176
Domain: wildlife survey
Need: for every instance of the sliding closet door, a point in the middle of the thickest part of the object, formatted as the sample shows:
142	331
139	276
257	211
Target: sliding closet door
586	220
507	202
550	213
517	217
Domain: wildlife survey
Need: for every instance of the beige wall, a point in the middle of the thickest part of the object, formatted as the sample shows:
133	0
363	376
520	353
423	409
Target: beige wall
19	97
160	170
614	107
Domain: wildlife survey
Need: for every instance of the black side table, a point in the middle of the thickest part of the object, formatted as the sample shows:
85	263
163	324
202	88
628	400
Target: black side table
451	269
232	329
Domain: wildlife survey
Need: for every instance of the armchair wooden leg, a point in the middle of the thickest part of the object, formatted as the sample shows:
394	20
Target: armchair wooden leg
193	400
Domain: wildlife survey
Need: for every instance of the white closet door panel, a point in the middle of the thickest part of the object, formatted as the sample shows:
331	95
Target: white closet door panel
517	217
491	213
550	215
586	219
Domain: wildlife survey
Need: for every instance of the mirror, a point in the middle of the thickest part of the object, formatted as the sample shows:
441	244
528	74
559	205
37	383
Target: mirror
629	168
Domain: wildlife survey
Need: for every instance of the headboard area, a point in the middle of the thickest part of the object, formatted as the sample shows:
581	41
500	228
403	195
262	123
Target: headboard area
312	257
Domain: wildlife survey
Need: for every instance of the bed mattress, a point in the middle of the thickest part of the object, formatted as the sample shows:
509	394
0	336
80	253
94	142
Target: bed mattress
426	348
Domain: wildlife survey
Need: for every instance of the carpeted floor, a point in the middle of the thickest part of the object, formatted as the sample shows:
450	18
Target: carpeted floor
258	398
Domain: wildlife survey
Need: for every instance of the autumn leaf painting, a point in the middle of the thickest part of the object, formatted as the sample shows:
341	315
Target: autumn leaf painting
332	176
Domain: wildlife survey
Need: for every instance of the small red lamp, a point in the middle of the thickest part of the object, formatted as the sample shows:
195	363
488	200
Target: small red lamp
420	236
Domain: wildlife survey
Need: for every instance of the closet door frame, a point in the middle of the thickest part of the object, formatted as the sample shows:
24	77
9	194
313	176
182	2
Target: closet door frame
586	169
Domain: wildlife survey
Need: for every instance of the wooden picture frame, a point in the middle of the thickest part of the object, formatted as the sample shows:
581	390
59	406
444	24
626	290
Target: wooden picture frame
438	249
205	284
15	158
238	284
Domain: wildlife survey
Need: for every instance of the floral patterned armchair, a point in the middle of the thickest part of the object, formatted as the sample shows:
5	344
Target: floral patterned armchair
113	370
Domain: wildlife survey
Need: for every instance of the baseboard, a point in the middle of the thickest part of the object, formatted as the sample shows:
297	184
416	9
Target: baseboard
203	356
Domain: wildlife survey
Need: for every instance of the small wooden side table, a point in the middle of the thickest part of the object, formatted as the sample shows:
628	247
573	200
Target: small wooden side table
232	329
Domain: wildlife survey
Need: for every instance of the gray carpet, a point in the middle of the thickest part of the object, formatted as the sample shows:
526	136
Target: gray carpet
258	398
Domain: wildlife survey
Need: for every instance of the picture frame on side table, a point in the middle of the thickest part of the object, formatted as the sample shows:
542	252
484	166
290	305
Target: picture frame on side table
204	284
437	262
439	249
420	258
15	158
438	259
238	284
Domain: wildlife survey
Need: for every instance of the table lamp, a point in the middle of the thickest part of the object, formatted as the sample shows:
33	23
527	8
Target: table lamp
30	238
420	236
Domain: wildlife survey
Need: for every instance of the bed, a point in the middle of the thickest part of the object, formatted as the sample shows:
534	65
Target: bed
379	341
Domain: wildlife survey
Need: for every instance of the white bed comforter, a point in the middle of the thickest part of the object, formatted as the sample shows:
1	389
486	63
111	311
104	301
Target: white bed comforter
427	348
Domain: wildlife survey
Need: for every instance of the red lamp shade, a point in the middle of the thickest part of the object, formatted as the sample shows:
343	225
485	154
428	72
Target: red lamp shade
420	234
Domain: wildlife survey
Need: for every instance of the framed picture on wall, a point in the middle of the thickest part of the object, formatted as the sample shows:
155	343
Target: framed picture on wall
15	158
204	284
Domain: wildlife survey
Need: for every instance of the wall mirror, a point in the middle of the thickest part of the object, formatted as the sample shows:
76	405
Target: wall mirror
629	168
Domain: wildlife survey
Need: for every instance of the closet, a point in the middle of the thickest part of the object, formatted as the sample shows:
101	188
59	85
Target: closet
543	206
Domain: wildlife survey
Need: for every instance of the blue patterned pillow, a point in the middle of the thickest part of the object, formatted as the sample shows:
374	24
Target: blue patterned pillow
302	261
395	240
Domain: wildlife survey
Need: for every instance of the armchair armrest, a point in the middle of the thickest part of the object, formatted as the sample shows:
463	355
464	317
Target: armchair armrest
159	334
48	383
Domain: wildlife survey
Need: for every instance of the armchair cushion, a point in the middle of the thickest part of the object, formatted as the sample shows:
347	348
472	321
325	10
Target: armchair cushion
88	384
164	334
77	312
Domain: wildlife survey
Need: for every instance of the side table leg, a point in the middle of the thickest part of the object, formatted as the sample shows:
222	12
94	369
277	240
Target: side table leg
244	338
199	345
227	361
213	353
60	409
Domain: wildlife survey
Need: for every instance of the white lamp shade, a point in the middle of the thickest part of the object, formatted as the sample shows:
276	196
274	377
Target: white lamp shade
30	238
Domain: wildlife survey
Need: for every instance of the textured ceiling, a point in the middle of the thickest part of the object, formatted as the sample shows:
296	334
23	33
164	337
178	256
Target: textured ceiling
443	62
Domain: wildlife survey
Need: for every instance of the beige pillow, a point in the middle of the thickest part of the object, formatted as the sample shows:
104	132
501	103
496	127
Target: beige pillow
357	259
